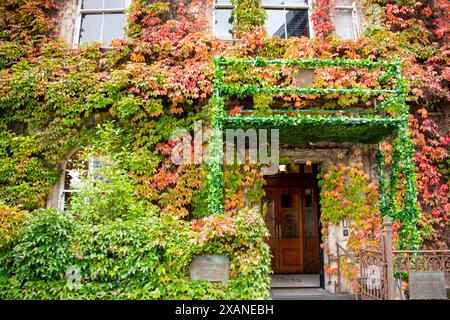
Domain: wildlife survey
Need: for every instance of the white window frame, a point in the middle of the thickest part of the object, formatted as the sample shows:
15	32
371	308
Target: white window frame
61	202
287	6
91	171
62	199
355	22
81	12
220	6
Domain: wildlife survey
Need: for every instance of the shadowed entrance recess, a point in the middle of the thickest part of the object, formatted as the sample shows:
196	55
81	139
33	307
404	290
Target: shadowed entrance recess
292	219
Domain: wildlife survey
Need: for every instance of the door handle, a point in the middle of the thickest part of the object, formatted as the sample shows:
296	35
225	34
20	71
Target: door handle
279	231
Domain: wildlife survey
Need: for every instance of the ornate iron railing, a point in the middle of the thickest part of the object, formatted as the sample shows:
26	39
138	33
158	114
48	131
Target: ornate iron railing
378	267
372	279
421	260
341	252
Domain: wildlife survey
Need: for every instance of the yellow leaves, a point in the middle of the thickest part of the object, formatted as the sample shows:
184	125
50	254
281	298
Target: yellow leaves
423	112
176	110
137	57
352	55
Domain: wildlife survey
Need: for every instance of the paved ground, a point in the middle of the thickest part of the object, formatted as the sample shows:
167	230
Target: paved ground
295	281
302	287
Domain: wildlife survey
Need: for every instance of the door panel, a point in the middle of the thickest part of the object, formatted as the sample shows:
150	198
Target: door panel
292	219
284	221
290	236
270	220
311	231
291	260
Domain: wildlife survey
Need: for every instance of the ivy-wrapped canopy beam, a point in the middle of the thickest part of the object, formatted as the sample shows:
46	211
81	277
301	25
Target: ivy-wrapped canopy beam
297	130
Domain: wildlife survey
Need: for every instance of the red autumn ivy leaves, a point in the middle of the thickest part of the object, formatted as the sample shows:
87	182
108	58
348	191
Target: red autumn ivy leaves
321	18
170	60
431	159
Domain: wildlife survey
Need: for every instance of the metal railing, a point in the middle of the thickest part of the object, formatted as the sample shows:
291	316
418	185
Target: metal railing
421	260
341	252
382	269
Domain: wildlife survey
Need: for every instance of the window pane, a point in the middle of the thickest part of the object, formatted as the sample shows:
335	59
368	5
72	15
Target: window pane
270	2
91	25
287	201
289	223
344	2
297	23
92	4
275	23
66	199
223	24
114	24
310	214
266	2
73	180
343	22
114	4
269	218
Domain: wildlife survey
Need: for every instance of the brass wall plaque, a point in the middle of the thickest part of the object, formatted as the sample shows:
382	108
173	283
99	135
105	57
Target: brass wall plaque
213	268
427	285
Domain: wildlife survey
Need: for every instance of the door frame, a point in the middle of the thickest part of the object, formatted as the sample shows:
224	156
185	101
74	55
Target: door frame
280	245
303	177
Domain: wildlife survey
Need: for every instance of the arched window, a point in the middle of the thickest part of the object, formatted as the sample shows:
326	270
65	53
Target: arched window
76	173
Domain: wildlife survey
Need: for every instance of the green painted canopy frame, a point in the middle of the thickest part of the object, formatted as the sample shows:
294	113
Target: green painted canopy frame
402	168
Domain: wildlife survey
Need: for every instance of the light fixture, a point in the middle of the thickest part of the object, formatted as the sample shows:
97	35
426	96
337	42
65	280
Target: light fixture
345	227
282	168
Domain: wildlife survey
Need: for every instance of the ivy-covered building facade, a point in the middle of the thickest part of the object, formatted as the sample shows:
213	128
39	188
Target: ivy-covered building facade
117	167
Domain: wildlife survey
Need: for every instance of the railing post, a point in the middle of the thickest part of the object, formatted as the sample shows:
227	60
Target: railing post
338	253
388	256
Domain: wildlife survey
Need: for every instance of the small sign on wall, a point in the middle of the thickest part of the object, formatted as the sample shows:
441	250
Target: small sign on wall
427	285
373	277
214	268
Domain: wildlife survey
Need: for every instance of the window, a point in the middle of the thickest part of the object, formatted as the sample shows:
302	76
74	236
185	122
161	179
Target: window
223	23
72	180
345	20
290	18
101	20
287	19
75	173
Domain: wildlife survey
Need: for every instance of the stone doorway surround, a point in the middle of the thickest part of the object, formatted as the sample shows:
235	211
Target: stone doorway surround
327	154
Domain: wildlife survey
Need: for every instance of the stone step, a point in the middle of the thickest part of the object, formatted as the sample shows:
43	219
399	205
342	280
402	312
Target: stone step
295	281
308	294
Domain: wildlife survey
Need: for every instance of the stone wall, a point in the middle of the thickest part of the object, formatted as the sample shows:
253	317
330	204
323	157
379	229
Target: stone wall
67	18
68	15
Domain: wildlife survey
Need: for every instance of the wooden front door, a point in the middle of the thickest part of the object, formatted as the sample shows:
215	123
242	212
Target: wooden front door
284	221
292	220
